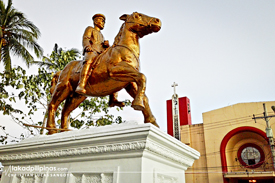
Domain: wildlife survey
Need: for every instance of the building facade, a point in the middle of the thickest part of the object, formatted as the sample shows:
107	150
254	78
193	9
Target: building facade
234	148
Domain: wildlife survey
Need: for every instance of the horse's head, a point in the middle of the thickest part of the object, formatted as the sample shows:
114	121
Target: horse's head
141	24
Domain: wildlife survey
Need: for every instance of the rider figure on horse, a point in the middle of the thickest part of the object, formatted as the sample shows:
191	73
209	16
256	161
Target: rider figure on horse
93	45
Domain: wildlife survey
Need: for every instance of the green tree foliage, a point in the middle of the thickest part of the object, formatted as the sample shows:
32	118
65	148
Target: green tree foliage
58	59
34	92
17	34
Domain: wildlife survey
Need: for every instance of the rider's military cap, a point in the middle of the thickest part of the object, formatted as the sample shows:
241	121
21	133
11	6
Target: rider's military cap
99	15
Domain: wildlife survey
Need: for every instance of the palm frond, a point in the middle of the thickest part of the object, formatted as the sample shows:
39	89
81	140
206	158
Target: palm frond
47	63
19	50
19	34
5	53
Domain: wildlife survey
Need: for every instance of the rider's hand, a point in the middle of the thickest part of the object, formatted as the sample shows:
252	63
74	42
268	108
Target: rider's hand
88	49
106	44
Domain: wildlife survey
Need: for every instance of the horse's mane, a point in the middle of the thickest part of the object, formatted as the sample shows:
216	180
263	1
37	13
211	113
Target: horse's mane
118	36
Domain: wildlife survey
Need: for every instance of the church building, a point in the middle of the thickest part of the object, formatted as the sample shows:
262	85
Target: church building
233	142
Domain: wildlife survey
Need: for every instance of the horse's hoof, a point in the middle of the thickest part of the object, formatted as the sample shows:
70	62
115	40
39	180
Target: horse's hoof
50	132
63	130
116	103
80	90
138	107
152	120
155	123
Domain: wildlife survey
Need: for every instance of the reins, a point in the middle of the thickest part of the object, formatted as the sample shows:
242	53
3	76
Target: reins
134	53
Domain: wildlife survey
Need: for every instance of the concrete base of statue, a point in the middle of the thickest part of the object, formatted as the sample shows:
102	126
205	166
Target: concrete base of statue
124	153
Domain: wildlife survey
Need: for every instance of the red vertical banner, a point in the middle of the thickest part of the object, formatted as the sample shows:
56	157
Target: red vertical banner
185	111
170	129
184	114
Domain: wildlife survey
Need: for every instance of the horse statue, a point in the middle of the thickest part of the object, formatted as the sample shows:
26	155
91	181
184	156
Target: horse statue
117	68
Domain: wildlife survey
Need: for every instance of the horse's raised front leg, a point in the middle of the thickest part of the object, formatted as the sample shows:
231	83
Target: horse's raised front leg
71	103
127	73
147	113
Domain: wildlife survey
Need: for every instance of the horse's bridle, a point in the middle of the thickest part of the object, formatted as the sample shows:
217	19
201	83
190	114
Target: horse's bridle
142	24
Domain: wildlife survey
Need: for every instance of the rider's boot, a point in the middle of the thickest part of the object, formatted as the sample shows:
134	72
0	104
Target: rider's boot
83	79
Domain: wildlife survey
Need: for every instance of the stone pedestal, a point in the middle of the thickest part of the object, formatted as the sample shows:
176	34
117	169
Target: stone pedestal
125	153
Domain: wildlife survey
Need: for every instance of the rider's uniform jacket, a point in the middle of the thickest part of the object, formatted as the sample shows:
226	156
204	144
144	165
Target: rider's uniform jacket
94	38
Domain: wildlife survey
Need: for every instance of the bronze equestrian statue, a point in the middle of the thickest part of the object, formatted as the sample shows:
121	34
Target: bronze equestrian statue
117	68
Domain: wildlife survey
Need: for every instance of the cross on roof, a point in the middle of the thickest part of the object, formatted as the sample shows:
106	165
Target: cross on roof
174	85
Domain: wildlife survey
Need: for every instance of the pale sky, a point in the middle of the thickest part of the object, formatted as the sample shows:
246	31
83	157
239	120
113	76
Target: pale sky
220	52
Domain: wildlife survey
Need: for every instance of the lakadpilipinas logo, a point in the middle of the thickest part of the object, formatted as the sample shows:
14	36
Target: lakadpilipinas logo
34	169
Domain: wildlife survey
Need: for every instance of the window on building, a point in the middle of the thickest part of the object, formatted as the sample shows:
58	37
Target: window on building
251	155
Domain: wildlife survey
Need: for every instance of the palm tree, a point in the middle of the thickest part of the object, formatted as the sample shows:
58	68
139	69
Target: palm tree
16	35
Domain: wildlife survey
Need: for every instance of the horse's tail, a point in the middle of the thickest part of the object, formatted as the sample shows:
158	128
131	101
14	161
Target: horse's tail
54	81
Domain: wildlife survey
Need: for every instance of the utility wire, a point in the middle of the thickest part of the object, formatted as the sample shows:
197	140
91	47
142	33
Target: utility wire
220	124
